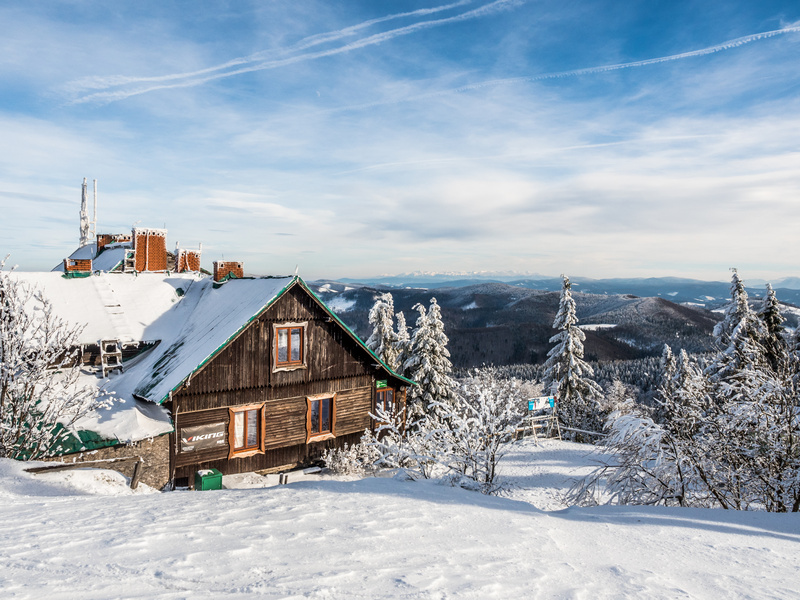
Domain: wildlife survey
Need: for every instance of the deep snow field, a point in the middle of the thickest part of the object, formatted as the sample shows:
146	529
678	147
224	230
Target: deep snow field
85	535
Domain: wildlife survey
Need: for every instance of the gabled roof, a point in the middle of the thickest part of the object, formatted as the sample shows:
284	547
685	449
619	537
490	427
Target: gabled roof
357	339
214	319
114	305
190	316
204	323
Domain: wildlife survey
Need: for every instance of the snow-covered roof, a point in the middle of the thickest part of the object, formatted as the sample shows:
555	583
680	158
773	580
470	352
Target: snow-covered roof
119	306
109	259
189	316
206	318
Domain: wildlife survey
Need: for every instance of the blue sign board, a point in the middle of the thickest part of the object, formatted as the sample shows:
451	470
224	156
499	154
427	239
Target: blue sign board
541	402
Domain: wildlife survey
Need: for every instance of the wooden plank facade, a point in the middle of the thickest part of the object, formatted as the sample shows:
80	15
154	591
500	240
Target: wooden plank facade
245	374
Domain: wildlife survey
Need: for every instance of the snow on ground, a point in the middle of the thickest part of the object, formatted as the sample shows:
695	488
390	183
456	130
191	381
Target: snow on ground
597	326
383	538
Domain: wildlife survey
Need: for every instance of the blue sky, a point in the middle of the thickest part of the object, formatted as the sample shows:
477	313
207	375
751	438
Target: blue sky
600	139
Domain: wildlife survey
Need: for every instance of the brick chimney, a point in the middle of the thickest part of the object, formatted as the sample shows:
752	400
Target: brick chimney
150	249
226	269
104	239
77	265
187	260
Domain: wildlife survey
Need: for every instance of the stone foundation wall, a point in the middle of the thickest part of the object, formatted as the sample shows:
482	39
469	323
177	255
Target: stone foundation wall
154	452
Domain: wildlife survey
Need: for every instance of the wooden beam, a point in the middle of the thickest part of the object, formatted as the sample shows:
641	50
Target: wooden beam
81	465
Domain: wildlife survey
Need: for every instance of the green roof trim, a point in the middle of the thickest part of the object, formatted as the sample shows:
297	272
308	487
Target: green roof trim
353	335
230	339
296	280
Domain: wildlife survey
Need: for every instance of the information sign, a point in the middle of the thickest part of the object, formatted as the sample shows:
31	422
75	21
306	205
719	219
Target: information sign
541	403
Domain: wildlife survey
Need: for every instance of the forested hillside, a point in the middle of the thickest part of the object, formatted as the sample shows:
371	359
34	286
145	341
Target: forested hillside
501	324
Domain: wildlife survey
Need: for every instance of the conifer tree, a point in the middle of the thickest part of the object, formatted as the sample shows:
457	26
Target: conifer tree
567	375
740	368
429	363
665	388
383	340
402	343
775	345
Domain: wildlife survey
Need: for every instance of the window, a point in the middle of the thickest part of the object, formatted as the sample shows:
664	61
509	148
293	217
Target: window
290	346
320	417
385	400
246	430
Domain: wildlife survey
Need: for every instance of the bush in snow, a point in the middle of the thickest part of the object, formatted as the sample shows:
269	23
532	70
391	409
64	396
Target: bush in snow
358	459
461	441
482	422
40	394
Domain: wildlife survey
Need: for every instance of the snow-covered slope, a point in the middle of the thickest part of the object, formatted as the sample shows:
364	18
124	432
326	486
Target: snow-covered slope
383	538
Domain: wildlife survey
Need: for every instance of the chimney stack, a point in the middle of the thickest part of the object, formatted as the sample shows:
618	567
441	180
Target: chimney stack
150	249
224	270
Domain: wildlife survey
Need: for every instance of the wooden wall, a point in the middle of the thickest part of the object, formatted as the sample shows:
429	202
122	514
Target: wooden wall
242	375
246	364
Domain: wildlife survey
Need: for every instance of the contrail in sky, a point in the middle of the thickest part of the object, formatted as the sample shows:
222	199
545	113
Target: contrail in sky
271	59
639	63
734	43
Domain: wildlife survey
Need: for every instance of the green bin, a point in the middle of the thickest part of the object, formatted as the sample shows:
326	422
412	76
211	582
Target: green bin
207	479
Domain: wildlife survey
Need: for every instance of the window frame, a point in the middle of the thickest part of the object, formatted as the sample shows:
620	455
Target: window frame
320	435
234	452
289	364
383	390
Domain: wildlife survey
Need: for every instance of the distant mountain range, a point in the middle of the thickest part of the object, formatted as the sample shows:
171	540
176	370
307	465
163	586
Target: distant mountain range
710	294
507	323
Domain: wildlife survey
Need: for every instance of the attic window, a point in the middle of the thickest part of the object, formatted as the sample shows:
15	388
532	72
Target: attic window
290	346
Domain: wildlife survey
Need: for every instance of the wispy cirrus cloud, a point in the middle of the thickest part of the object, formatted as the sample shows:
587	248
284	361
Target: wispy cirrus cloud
119	87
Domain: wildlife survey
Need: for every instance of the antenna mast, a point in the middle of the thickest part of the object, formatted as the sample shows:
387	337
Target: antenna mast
84	216
94	221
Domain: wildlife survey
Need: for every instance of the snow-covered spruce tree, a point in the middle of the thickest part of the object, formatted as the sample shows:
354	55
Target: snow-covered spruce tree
567	375
665	388
429	364
741	378
774	418
619	398
741	362
668	367
40	395
774	342
752	432
728	436
383	340
402	343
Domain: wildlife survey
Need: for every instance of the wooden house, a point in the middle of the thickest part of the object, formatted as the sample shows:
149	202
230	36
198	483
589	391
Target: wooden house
292	382
244	374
